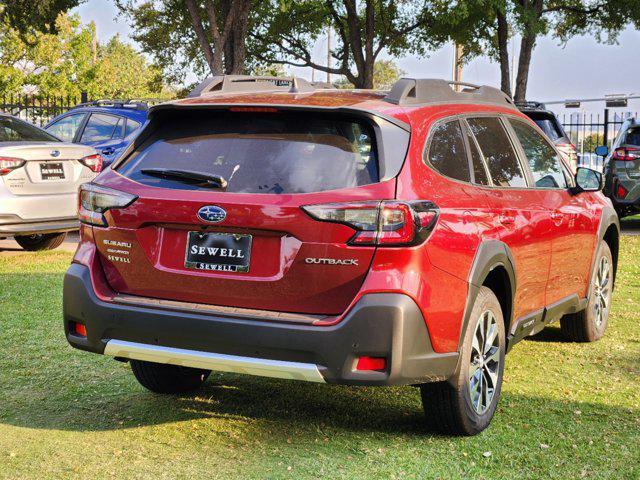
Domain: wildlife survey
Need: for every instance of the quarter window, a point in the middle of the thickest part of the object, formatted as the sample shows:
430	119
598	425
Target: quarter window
447	152
501	159
543	159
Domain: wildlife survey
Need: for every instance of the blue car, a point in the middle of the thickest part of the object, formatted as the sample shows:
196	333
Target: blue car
107	125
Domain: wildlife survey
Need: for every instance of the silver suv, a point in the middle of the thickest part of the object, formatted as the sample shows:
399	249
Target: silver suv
39	180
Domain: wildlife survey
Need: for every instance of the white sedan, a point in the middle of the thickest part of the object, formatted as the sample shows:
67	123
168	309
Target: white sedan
39	180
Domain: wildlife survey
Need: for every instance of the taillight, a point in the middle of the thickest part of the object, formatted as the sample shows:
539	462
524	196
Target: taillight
626	154
94	162
94	201
386	223
621	192
8	164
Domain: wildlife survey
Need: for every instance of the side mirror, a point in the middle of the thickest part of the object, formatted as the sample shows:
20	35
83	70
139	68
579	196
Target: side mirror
588	180
602	151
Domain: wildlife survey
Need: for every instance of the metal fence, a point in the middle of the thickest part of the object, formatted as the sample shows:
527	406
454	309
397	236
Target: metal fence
40	109
589	130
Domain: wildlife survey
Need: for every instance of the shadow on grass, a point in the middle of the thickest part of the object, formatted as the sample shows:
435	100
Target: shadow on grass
549	334
280	407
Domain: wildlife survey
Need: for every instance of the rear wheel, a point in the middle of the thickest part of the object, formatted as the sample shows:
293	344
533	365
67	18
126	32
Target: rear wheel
163	378
41	241
465	404
589	324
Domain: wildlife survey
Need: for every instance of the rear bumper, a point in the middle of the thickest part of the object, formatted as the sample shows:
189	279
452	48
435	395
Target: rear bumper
11	225
386	325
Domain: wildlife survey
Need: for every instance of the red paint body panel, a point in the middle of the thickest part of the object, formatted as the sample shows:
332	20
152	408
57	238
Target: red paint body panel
552	253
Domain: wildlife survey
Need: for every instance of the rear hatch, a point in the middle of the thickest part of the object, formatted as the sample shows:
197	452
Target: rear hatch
48	168
240	238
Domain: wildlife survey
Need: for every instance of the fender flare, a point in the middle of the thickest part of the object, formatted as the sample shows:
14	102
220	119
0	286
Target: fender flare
608	217
490	254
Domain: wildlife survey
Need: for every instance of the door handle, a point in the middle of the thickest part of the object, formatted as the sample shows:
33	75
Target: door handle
507	218
557	216
108	150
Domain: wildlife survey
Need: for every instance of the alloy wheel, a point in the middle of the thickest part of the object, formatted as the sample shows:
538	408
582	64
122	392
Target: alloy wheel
484	366
602	291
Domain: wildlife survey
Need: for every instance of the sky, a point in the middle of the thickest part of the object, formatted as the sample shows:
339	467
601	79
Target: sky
581	69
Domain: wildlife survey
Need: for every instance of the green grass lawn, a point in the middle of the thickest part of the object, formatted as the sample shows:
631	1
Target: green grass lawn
567	410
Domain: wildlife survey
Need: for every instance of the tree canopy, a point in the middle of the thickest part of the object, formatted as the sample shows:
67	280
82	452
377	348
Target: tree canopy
28	16
71	61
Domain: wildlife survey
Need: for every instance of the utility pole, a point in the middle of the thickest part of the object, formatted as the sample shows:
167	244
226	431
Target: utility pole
457	64
329	52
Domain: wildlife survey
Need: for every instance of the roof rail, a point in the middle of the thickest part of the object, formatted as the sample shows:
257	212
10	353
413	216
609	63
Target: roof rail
248	83
418	91
133	104
531	105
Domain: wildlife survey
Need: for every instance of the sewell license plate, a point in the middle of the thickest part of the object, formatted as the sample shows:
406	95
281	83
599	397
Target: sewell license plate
52	171
222	252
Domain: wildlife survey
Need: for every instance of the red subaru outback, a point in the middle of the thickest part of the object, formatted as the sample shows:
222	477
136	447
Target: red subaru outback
270	228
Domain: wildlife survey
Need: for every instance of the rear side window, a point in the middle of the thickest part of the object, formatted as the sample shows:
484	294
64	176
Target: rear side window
132	126
280	152
543	159
477	164
447	153
100	127
66	128
501	159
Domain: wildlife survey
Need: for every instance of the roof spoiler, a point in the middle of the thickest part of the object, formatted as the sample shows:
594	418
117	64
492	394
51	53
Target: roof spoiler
418	91
248	83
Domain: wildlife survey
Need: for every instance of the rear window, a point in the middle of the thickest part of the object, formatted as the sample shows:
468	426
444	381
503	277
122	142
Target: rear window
15	130
633	137
279	152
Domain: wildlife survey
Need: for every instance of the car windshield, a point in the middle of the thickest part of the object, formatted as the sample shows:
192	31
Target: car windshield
279	152
633	137
16	130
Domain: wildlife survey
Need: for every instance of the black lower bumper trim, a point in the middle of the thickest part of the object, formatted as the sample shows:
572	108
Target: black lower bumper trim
381	325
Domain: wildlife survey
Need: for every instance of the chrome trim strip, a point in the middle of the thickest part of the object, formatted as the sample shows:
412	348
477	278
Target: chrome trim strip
214	361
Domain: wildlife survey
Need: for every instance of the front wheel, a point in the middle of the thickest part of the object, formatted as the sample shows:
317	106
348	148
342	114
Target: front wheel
41	241
164	378
465	404
589	324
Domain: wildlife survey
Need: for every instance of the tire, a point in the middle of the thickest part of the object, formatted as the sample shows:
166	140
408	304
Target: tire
448	405
590	324
41	241
164	378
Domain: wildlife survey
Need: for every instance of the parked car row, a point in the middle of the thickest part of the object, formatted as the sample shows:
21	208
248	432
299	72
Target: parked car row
41	169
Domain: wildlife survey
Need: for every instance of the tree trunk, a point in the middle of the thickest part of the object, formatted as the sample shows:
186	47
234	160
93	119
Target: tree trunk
196	22
527	45
503	52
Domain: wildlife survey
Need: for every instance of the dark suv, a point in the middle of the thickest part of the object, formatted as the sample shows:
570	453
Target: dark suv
622	169
552	128
268	228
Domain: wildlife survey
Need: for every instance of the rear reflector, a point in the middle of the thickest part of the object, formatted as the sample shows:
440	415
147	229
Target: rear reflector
79	329
371	363
386	223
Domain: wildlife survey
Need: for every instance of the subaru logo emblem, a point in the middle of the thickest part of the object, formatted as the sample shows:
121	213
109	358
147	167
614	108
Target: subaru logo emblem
55	153
212	214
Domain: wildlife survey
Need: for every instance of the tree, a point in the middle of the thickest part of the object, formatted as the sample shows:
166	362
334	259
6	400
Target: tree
28	16
71	61
530	19
363	30
205	36
385	74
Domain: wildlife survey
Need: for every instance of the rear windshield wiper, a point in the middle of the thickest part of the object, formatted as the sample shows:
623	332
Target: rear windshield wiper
195	178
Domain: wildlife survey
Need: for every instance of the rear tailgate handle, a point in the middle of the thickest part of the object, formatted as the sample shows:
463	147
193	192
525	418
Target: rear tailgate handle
108	150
